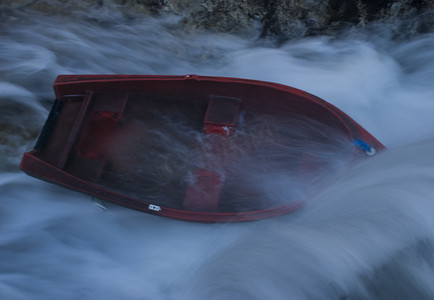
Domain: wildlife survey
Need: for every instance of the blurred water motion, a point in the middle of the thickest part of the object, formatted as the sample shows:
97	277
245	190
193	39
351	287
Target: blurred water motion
367	235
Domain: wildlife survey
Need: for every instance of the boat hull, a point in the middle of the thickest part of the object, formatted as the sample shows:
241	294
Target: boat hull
195	148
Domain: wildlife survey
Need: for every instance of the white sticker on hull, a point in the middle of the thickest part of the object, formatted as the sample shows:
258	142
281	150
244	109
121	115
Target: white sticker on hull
154	207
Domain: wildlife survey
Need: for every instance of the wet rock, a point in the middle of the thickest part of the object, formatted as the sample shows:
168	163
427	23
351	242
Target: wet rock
280	20
58	7
14	139
16	135
277	20
238	17
290	19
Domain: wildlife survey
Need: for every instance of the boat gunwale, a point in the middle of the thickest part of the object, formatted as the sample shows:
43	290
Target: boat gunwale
349	123
30	160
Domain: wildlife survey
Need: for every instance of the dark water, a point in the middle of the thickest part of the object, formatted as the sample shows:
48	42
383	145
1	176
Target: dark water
367	235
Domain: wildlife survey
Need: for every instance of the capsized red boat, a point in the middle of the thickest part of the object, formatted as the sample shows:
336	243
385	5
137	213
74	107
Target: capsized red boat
195	148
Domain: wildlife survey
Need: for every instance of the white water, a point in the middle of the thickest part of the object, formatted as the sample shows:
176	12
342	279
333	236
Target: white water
368	235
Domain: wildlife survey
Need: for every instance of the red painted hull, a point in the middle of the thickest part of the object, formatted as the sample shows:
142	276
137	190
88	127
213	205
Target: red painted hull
191	147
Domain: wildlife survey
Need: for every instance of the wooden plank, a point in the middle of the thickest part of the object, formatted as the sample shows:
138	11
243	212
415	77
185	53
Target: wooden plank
74	130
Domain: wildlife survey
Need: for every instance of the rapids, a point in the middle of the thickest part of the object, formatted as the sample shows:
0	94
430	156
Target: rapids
368	235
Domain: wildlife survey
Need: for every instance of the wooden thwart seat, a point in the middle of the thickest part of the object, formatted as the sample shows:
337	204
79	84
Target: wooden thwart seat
221	115
203	192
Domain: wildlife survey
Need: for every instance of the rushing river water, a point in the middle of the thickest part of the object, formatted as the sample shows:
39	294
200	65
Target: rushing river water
368	235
